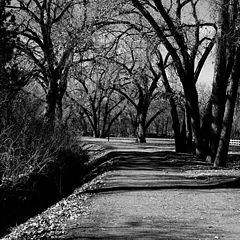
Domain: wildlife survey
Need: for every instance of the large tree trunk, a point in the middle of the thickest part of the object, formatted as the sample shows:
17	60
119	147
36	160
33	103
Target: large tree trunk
176	126
191	96
141	133
188	125
51	102
227	61
218	96
62	87
183	135
186	144
96	133
205	129
221	156
141	128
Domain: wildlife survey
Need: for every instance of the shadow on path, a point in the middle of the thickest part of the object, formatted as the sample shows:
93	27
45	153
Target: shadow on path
129	171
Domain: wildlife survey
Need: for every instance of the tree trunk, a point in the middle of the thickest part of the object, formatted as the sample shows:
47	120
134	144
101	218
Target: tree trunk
176	126
96	133
206	128
141	128
51	102
61	91
59	111
185	141
189	136
218	96
141	133
191	96
183	136
221	156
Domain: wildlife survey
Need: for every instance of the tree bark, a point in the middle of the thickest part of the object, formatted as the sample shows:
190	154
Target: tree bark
176	126
206	128
51	102
218	96
221	156
141	128
191	96
189	135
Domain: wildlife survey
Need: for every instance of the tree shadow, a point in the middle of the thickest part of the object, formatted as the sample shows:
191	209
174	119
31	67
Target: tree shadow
159	170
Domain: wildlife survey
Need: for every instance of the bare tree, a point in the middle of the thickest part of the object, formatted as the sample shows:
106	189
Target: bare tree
50	32
225	84
139	84
96	97
182	47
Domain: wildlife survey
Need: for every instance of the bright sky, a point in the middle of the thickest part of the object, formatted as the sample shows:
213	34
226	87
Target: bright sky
207	72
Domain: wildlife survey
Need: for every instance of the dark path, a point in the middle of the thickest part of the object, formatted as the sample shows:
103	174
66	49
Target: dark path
145	194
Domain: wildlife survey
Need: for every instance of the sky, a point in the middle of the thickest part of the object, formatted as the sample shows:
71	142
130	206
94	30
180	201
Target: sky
207	72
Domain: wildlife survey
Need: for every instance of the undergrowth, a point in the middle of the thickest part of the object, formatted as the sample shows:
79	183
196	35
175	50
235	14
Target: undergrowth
28	148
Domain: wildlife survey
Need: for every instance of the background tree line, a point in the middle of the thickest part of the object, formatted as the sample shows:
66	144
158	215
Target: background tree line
128	68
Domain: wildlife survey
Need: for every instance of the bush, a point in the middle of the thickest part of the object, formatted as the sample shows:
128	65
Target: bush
38	168
31	148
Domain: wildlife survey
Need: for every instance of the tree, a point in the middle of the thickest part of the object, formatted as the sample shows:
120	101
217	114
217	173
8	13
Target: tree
140	96
50	32
138	80
96	97
179	137
225	84
183	48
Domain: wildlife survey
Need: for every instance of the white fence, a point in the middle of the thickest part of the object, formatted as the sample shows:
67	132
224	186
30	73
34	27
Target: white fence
234	142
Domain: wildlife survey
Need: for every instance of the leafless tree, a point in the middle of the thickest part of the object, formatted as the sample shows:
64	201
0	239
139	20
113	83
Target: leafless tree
225	85
183	39
49	32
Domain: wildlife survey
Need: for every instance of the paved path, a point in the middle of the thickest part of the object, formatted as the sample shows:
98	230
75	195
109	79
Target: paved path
145	194
159	195
160	214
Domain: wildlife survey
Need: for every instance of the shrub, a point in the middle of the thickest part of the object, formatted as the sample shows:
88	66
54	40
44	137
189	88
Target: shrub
38	168
29	149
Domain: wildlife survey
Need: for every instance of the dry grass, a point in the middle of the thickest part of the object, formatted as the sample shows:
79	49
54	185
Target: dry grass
30	149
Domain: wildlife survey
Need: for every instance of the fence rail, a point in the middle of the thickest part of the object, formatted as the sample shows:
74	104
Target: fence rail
234	142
